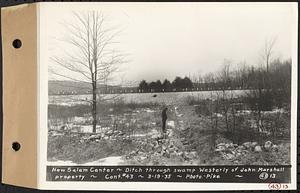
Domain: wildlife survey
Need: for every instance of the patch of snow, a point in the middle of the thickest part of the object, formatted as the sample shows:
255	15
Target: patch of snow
110	161
113	161
152	133
89	129
218	115
171	124
149	110
244	112
274	111
61	163
79	119
140	135
57	134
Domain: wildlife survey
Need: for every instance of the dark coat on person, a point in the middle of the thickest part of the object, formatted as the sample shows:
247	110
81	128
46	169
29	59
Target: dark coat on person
164	114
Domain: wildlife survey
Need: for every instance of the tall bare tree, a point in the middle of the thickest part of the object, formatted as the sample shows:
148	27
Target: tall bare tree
92	57
261	97
225	83
267	52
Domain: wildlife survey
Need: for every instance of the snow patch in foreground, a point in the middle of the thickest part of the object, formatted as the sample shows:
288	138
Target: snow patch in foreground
171	124
108	161
112	161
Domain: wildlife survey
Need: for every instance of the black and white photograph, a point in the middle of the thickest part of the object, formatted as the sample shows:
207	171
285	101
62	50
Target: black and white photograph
150	96
170	84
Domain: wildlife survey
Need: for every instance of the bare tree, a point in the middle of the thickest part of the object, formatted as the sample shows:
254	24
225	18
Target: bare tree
209	81
241	76
225	83
197	80
260	98
93	59
224	75
214	113
267	52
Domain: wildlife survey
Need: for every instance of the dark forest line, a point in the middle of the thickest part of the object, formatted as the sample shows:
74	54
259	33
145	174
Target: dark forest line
277	76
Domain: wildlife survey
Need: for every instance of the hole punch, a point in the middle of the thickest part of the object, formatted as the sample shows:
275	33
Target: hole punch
17	43
16	146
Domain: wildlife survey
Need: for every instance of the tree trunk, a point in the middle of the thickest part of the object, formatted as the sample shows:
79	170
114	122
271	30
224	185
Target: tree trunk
215	129
226	122
94	107
233	126
225	108
259	114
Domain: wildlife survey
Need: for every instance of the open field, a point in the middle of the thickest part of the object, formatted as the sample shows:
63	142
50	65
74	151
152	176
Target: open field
161	98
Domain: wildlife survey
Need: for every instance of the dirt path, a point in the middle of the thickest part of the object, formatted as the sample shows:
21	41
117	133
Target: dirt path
172	150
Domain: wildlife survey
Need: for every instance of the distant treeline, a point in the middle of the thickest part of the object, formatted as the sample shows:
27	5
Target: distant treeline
178	84
277	76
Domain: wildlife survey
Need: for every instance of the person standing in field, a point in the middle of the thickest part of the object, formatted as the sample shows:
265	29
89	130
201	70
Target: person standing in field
164	120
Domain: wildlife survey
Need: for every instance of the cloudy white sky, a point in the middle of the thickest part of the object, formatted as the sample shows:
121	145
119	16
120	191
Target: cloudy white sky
165	40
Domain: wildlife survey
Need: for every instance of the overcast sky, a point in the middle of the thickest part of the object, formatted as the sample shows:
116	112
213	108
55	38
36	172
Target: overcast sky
165	40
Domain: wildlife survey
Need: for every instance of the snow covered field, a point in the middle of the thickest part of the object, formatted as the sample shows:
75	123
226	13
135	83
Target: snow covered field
168	98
